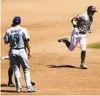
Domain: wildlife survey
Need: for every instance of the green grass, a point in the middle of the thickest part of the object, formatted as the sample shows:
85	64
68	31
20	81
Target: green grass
94	45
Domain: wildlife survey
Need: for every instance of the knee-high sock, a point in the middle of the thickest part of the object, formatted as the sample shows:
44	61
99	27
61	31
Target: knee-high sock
83	55
67	43
10	73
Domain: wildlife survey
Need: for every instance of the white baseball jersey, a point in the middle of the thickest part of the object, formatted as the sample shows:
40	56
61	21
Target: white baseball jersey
79	33
16	36
83	22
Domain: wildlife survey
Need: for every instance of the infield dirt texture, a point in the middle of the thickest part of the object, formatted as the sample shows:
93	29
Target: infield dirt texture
53	67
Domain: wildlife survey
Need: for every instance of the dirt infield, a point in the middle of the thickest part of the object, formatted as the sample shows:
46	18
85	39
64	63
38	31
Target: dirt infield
53	67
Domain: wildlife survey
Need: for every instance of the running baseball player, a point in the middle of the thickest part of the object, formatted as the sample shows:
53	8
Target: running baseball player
81	24
18	39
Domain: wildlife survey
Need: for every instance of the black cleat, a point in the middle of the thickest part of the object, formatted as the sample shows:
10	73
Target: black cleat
33	83
11	85
59	40
63	39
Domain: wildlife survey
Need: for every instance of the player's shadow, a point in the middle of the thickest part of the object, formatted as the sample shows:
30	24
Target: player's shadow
9	91
62	66
4	85
12	91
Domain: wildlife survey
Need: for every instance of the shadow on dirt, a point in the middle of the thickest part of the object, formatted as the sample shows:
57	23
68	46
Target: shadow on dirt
63	66
13	91
3	85
9	91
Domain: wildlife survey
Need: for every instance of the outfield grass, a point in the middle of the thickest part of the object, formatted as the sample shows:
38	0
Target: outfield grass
94	45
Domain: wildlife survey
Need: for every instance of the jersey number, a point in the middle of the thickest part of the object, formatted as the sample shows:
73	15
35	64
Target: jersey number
16	38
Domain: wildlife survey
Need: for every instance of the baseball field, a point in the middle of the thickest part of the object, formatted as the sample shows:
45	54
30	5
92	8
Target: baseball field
53	67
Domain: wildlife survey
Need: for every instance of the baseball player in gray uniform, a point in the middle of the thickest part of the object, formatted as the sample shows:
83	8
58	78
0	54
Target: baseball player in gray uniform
10	74
18	39
81	24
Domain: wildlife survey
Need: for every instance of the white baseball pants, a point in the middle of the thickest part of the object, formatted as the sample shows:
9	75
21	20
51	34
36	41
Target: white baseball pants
77	37
18	57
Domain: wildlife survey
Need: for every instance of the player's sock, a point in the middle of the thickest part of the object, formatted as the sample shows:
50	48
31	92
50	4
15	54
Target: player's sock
83	55
10	73
67	43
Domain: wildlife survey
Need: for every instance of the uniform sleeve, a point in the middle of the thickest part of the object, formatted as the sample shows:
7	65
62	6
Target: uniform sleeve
6	38
75	20
27	37
78	17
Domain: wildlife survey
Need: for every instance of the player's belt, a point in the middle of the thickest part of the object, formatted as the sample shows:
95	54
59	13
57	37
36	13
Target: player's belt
81	32
19	48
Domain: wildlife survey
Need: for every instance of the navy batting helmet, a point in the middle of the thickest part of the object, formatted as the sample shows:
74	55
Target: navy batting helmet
91	9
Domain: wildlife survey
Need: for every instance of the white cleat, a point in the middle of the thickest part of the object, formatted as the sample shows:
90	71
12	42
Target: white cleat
83	66
31	89
19	90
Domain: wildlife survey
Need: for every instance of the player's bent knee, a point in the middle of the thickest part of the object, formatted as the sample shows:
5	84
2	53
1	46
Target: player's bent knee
71	48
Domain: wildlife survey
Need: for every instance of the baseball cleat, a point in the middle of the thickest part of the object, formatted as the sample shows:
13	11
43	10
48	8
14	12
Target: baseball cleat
11	85
31	89
33	83
63	39
83	66
19	90
59	40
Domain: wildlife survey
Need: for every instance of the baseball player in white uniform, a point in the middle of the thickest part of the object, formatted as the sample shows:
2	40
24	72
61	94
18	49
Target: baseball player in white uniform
81	24
19	52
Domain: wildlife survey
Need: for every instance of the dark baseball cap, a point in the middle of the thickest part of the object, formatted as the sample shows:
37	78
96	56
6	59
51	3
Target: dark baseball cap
91	9
16	20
